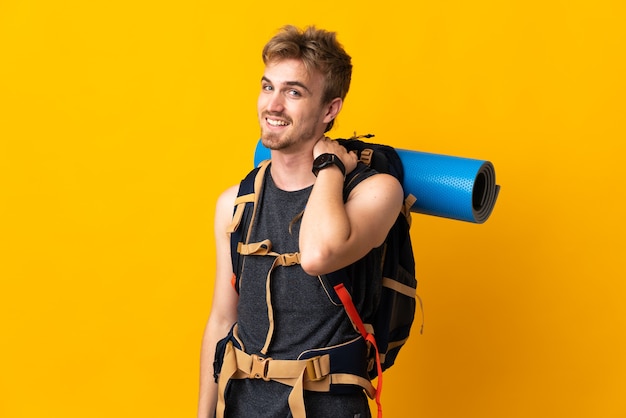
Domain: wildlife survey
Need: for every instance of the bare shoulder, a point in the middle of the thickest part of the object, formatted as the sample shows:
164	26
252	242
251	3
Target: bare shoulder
228	196
225	205
379	186
373	207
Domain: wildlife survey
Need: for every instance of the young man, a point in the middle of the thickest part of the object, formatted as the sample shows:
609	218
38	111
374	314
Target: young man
282	312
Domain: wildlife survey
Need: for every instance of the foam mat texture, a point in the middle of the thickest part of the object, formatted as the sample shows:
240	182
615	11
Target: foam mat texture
446	186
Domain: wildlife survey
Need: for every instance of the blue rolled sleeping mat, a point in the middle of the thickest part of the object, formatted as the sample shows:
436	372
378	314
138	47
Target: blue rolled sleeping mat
446	186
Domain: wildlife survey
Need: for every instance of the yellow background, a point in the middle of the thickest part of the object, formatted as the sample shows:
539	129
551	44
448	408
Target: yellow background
121	122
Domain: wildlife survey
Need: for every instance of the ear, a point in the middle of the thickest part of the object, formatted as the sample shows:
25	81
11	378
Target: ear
332	109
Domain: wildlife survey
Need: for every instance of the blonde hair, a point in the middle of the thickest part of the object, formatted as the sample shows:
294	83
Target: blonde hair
318	50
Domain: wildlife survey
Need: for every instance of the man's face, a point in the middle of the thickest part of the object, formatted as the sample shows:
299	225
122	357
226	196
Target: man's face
290	105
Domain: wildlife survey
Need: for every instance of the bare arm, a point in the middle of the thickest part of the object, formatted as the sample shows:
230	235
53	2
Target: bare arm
224	307
333	234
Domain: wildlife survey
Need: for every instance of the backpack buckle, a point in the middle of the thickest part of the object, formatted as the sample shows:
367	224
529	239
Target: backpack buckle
260	366
366	156
288	259
314	369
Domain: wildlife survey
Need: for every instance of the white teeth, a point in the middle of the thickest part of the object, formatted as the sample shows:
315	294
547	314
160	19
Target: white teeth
276	122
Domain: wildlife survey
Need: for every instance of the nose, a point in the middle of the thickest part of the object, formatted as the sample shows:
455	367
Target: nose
275	103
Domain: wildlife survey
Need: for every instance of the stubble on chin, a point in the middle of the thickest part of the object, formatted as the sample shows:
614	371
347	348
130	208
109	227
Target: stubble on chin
273	141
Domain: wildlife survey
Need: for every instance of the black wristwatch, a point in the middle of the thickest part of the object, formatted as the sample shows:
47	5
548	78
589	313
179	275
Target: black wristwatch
326	160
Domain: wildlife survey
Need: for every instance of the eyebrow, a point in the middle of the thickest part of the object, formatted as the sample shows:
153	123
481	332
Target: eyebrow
289	83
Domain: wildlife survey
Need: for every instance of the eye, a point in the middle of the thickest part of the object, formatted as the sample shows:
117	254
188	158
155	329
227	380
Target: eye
294	93
267	87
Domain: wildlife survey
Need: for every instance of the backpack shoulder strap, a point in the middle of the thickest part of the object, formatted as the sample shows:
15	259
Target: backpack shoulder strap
243	215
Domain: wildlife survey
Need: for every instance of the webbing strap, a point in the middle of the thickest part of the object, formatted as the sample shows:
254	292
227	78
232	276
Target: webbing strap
366	156
229	368
309	374
252	366
399	287
256	248
240	204
258	182
409	201
264	248
296	373
270	308
284	260
352	312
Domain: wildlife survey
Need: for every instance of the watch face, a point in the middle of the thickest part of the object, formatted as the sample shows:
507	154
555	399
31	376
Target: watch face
324	158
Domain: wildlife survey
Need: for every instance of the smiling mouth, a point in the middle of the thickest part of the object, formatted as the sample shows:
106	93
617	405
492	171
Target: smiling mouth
276	122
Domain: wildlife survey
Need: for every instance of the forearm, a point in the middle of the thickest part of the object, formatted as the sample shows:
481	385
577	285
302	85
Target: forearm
208	388
334	234
325	224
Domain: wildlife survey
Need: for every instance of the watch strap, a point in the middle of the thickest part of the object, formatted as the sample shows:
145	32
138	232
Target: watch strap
326	160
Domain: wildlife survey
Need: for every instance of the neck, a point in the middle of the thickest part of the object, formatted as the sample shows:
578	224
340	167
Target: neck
292	172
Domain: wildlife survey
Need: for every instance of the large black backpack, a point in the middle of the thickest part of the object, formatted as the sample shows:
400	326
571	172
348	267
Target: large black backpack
391	268
390	323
